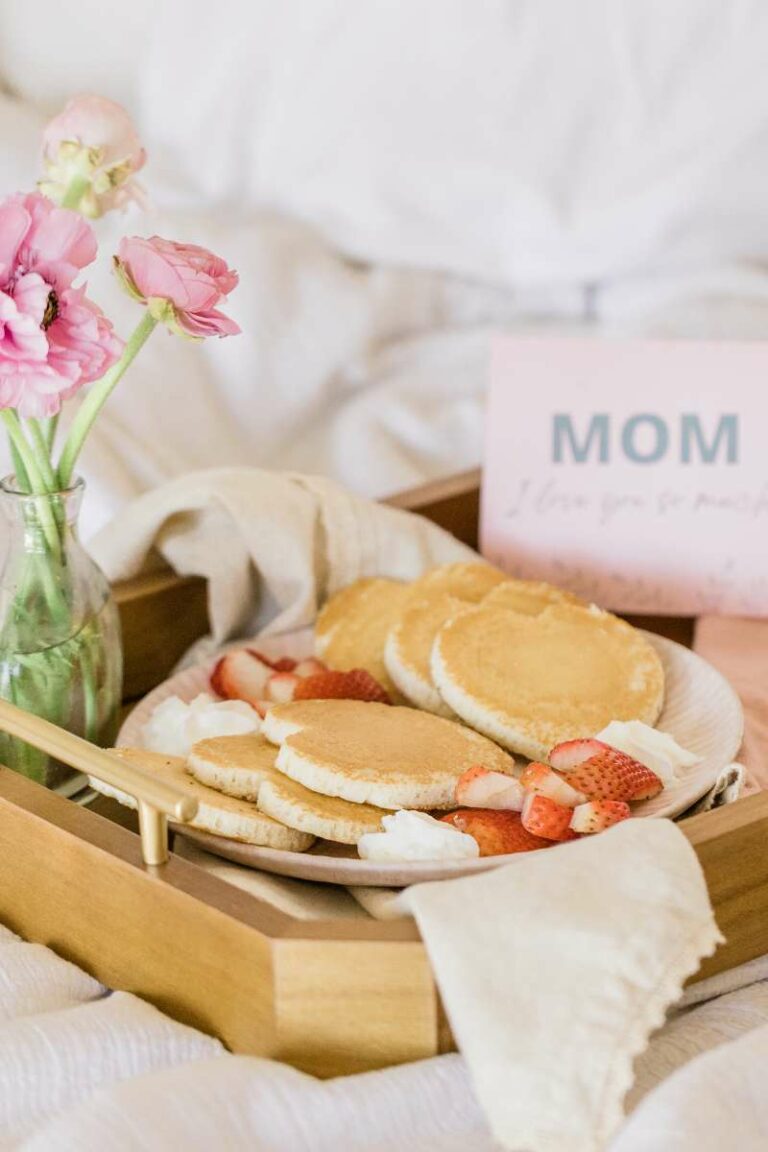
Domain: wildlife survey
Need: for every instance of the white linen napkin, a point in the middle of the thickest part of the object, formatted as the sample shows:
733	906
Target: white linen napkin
555	969
272	545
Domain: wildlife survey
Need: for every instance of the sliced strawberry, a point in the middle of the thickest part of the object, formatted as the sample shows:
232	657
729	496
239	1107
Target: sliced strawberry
309	667
566	756
330	685
284	664
597	815
612	775
480	788
240	675
544	781
281	687
497	833
545	817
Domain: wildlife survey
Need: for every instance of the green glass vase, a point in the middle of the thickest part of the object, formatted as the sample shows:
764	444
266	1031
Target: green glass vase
60	649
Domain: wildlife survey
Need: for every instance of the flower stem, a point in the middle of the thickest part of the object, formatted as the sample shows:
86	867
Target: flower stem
40	446
36	481
97	397
19	470
51	425
76	189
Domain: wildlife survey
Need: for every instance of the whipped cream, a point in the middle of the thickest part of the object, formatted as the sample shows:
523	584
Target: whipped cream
416	836
175	726
657	750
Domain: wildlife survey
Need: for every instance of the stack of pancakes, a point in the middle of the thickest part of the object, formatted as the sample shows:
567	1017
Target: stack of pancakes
488	665
323	768
521	661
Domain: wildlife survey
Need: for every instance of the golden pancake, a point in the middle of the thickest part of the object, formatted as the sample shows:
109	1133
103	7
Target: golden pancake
528	596
325	816
376	754
222	815
409	648
531	682
466	580
335	608
282	720
234	765
352	629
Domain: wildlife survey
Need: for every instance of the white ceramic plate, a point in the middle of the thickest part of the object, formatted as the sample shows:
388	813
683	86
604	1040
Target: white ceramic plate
701	711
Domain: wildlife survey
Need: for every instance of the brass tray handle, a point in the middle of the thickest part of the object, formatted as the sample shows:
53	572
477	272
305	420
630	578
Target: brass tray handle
156	800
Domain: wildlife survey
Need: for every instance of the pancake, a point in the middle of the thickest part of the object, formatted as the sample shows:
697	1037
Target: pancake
528	596
466	580
409	644
234	765
282	720
530	682
352	629
222	815
325	816
377	754
336	606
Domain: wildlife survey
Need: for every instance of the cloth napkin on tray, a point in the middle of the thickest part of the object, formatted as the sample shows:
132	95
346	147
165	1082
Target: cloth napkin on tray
553	977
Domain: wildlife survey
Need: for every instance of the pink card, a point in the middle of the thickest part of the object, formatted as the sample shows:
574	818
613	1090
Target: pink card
634	473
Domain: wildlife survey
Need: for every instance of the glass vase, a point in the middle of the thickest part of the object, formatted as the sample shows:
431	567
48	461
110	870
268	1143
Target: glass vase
60	649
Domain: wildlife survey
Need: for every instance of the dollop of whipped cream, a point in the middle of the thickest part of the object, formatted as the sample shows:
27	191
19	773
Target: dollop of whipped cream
175	726
416	836
657	750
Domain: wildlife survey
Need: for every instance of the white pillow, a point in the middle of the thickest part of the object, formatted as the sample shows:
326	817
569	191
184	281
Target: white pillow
51	50
534	141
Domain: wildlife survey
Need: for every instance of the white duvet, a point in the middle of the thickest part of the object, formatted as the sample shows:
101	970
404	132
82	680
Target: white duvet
394	181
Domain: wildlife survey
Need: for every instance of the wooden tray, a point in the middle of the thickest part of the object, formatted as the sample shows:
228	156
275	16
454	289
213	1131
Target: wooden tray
328	996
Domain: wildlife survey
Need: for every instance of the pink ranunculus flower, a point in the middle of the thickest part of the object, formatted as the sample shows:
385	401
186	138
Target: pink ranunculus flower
53	340
81	337
93	140
36	236
181	284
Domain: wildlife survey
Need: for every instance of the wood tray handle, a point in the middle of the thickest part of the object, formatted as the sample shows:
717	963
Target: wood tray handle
156	800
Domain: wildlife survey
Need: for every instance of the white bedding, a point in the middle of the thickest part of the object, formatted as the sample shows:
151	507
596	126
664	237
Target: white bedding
81	1069
394	181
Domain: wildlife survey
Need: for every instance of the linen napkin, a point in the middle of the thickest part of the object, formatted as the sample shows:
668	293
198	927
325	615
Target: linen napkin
555	969
273	546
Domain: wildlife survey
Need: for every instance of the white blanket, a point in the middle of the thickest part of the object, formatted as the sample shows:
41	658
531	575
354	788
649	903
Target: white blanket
393	182
82	1072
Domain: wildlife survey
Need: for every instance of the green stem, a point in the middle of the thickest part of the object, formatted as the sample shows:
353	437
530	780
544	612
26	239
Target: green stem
36	481
76	189
40	447
19	470
51	425
97	397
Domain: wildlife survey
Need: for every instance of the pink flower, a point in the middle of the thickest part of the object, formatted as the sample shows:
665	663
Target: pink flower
53	340
93	141
36	236
181	284
81	339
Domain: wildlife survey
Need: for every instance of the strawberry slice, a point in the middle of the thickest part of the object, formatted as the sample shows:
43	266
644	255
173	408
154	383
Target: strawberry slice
309	667
240	675
281	687
358	684
612	775
597	815
541	779
497	833
567	755
284	664
478	787
545	817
